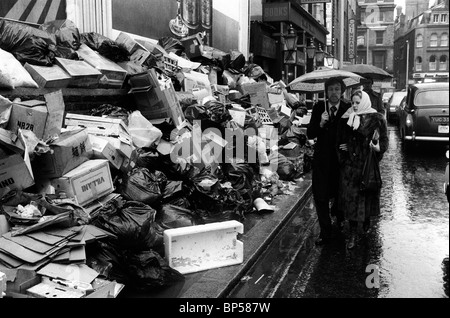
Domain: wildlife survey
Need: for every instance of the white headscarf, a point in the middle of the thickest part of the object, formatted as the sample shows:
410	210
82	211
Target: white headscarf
365	107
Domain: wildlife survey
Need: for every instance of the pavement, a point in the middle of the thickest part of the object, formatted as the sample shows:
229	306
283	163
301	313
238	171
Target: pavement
259	232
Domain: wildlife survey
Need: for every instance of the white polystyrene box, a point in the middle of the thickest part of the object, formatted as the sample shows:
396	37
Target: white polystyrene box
202	247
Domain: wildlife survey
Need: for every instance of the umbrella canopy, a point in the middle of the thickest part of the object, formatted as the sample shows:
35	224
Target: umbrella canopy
368	71
314	82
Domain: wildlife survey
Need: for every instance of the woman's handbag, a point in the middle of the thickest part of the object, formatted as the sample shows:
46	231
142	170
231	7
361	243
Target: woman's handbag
371	176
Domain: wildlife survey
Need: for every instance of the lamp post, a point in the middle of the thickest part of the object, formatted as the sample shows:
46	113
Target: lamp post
311	53
289	42
407	65
320	56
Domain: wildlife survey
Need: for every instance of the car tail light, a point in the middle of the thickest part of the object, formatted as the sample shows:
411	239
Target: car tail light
409	120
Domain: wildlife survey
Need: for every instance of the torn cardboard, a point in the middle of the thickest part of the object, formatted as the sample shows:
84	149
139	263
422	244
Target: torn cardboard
83	75
43	118
49	76
113	74
86	183
70	150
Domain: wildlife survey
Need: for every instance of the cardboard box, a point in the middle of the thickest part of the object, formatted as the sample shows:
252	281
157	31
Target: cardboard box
193	45
156	99
49	76
86	183
83	75
198	248
99	126
70	150
113	74
139	54
196	81
258	94
44	118
221	92
15	164
105	150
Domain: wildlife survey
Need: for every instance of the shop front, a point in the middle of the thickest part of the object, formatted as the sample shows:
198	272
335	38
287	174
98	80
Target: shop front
430	77
287	32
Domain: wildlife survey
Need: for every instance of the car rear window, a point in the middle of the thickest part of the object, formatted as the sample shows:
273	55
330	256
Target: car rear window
432	98
397	98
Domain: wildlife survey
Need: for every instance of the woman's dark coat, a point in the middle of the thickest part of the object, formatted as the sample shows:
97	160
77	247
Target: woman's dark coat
358	206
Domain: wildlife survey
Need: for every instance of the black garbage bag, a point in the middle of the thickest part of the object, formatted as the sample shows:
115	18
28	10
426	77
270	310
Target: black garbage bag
27	44
66	53
147	271
144	186
66	33
111	111
196	112
133	224
175	193
154	161
244	177
172	45
234	62
286	168
218	112
108	260
173	217
116	52
212	202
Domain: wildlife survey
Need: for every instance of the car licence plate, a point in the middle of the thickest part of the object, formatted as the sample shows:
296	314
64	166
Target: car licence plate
443	129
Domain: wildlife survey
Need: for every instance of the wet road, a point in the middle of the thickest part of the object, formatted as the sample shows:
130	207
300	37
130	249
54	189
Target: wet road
400	258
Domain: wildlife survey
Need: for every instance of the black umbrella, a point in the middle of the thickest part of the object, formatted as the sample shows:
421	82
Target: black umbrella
368	71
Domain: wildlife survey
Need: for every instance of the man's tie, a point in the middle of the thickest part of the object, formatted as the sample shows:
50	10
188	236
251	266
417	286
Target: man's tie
332	113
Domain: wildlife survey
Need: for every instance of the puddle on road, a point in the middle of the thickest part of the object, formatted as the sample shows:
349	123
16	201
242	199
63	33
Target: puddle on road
414	227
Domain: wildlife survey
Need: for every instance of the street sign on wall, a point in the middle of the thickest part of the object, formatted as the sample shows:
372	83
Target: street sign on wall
351	39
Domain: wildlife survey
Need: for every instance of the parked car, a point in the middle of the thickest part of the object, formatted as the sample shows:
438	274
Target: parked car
386	97
446	181
424	114
393	104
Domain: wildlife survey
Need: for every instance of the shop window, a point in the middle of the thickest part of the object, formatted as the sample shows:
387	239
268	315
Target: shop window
434	40
444	39
419	64
443	63
419	40
432	65
380	37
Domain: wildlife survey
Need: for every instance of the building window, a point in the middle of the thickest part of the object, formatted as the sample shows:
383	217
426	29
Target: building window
379	59
419	40
432	66
436	18
361	41
444	39
419	64
443	63
444	18
380	37
434	40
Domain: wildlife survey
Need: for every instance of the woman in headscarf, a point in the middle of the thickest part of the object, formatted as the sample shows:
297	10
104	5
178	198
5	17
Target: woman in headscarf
360	129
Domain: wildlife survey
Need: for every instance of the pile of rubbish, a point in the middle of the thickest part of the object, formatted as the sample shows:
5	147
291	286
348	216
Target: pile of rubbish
90	195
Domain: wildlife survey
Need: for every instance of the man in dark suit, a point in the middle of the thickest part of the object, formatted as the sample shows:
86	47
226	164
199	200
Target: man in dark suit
375	98
325	169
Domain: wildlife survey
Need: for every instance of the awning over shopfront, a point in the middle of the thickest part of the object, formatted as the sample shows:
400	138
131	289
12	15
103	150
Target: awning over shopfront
294	14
